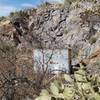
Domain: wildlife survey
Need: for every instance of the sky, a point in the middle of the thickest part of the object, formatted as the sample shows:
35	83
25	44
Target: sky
7	6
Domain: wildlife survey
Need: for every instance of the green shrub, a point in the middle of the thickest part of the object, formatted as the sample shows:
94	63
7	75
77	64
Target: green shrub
2	18
92	40
19	14
66	31
7	51
44	4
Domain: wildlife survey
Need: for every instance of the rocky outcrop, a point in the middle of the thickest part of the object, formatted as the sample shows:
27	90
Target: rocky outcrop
55	26
46	27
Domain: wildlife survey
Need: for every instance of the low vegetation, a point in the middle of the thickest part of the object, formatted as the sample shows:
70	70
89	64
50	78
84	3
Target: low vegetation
79	86
19	14
92	40
2	18
44	4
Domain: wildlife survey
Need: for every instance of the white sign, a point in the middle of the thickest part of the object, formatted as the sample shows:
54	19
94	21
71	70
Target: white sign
53	60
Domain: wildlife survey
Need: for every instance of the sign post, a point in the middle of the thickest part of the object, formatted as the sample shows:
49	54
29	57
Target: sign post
70	59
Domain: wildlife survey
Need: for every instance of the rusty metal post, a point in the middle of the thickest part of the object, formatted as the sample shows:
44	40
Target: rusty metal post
70	60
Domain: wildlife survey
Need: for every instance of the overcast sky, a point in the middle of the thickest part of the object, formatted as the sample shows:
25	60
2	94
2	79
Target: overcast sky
7	6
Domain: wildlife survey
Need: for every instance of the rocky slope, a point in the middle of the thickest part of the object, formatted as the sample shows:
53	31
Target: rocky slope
55	26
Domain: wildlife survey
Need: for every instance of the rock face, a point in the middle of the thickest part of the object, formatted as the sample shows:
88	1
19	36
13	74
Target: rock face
54	26
46	27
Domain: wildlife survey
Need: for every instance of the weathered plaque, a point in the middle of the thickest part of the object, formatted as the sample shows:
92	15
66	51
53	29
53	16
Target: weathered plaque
52	60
